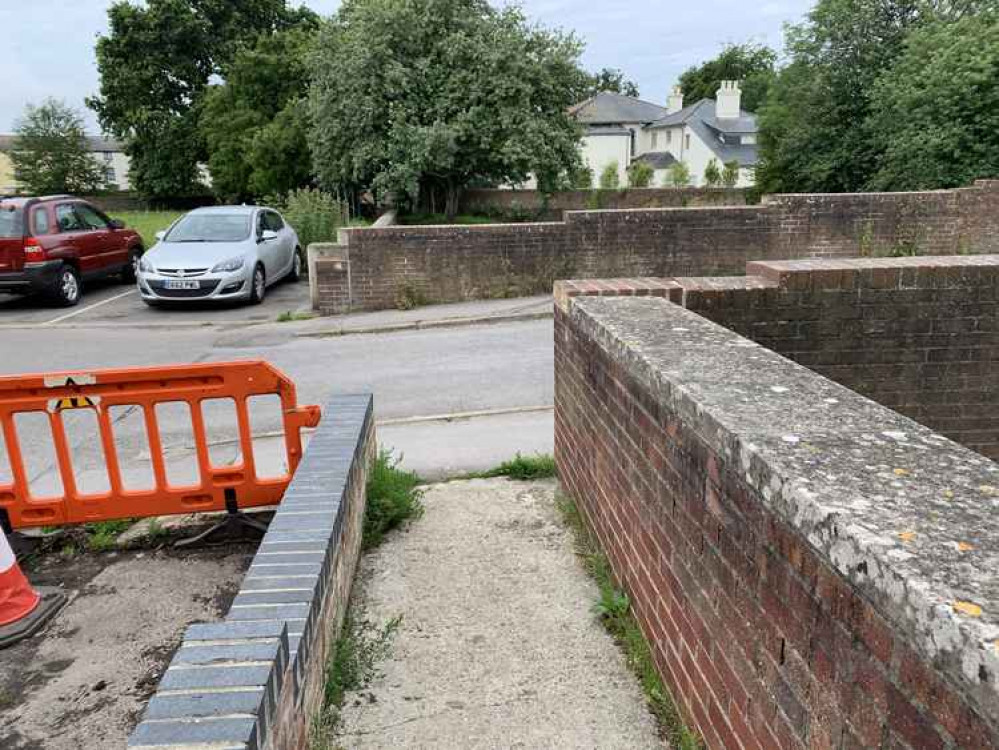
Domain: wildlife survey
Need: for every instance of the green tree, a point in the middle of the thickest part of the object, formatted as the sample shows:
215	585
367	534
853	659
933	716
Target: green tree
730	174
155	63
816	131
609	177
612	79
678	175
751	64
936	111
255	124
640	174
419	99
712	174
50	153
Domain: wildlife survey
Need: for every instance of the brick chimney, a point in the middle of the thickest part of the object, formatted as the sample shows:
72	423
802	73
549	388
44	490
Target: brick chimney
728	100
675	101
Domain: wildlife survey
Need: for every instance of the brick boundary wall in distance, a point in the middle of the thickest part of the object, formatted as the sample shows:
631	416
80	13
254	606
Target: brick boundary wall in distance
376	268
256	680
812	570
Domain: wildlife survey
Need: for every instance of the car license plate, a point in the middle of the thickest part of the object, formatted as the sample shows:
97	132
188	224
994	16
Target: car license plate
177	284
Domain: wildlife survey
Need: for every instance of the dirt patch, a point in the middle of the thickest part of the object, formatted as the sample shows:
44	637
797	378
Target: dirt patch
498	644
85	681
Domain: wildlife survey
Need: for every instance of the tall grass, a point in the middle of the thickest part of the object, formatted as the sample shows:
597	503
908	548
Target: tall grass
315	215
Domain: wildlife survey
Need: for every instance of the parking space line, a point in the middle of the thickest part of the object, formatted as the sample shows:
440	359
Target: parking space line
88	308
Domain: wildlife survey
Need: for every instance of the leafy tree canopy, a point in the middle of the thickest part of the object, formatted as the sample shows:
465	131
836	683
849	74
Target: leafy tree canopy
821	127
255	123
423	97
155	64
936	111
50	153
612	79
752	64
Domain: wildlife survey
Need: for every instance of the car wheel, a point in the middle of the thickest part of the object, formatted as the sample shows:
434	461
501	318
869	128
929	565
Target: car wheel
66	290
297	272
130	272
258	287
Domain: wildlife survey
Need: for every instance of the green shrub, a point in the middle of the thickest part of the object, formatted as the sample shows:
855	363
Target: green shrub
712	175
313	214
730	174
582	179
393	498
678	176
640	175
609	178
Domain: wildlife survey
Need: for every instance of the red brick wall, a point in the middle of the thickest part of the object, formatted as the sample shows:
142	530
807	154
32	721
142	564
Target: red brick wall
763	642
918	335
456	263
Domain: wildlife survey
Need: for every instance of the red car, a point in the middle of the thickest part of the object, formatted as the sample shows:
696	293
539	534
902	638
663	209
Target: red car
54	244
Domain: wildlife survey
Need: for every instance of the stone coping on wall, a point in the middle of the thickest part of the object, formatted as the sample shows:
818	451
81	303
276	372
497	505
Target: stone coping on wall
228	681
908	517
801	274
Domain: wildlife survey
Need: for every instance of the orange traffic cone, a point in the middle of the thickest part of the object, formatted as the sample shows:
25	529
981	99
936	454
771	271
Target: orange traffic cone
23	611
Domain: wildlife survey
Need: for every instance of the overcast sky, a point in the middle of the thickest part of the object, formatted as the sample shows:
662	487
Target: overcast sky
50	43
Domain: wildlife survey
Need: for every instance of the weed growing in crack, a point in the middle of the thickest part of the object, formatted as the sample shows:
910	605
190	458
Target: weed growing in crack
521	468
394	497
614	611
352	666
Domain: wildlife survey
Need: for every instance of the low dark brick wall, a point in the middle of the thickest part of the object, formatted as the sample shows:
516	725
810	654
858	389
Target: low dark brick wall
520	204
812	570
256	680
918	335
456	263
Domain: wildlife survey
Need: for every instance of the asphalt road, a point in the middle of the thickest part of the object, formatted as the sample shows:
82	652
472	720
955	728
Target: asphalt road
425	382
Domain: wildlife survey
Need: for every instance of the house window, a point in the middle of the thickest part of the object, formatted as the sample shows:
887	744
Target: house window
633	143
686	142
655	141
108	157
109	175
669	136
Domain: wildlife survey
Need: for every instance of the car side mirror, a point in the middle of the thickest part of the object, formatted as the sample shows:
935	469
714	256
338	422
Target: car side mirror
117	224
161	234
267	235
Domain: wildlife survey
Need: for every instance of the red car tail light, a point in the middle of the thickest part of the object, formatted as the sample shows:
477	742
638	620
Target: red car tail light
33	250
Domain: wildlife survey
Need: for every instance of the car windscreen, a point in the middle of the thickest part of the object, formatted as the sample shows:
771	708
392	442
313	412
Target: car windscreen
210	227
10	221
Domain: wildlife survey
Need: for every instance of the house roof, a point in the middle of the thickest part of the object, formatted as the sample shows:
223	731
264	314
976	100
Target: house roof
657	159
609	108
700	117
95	143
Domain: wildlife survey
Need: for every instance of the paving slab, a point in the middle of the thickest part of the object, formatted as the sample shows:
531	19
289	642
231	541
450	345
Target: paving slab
498	645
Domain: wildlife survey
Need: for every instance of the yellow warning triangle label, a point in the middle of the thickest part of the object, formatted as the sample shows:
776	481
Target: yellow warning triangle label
74	402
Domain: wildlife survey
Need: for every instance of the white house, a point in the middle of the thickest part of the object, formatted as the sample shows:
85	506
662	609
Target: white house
108	153
621	130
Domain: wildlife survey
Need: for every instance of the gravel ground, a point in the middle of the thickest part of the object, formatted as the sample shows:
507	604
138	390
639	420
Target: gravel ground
498	646
84	681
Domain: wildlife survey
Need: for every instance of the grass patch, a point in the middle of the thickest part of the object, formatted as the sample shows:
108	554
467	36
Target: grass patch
288	316
441	220
394	497
521	468
614	610
148	223
103	536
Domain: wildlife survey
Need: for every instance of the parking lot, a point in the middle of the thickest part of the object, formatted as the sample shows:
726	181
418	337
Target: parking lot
119	305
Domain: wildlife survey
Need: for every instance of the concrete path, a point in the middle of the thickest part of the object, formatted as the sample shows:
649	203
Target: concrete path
498	646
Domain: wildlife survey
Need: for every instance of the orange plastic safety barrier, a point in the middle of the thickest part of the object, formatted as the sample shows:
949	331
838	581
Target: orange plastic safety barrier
54	394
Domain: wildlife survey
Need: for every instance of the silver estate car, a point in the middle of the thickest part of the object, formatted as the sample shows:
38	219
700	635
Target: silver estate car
220	253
